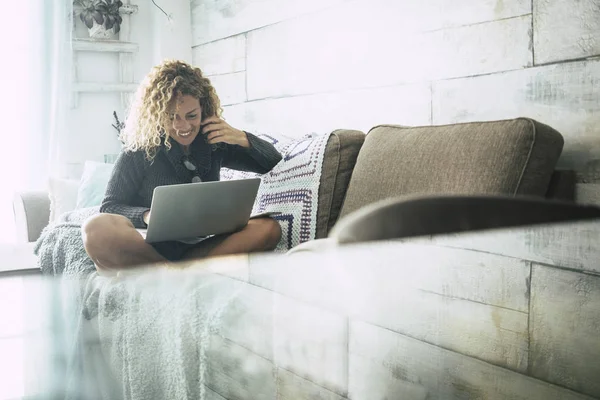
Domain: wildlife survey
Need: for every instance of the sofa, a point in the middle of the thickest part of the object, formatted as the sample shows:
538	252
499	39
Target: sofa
512	315
515	157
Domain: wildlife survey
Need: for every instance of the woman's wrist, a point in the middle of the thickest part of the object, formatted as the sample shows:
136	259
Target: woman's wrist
244	142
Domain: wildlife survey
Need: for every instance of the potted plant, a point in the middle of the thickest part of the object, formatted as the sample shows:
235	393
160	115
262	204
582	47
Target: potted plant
101	17
118	125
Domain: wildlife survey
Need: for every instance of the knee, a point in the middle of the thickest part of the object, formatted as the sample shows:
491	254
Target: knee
271	233
99	230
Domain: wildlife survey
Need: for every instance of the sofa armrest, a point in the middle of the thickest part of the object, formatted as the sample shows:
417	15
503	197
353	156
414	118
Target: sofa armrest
32	214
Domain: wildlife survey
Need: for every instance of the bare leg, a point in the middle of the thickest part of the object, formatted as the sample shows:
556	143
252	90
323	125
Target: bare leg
112	242
261	234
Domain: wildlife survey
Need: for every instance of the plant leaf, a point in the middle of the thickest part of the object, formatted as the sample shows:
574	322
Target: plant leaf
110	21
98	17
89	20
117	27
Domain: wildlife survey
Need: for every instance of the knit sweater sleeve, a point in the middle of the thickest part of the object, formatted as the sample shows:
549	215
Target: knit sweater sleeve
260	157
126	179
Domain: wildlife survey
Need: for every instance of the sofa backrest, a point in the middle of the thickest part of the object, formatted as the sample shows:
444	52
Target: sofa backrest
509	157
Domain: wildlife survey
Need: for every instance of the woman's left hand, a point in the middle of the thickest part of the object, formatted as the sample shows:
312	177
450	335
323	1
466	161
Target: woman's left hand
219	131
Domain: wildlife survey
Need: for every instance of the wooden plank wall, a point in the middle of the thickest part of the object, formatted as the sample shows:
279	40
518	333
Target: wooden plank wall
297	67
414	321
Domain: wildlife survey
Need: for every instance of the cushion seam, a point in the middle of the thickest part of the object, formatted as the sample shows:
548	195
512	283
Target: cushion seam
446	124
528	160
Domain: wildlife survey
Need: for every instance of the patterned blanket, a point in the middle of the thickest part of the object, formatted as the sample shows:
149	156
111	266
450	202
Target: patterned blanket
291	188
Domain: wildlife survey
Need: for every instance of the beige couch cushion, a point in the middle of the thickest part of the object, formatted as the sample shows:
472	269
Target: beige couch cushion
512	157
340	155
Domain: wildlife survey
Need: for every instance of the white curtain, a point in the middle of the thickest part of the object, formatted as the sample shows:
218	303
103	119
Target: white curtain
58	75
35	77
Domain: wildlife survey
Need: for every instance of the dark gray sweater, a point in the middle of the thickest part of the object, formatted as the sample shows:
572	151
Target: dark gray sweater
130	188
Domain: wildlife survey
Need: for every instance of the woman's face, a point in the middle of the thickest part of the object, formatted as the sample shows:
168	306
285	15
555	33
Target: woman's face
185	118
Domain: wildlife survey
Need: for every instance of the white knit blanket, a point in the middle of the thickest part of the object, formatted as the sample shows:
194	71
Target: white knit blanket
291	187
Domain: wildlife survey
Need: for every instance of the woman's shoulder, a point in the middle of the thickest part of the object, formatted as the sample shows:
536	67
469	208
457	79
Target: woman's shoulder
140	154
137	158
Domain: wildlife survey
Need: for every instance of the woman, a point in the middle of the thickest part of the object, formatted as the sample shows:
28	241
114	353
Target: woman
173	135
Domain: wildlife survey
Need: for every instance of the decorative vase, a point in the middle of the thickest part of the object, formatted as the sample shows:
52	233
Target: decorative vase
98	31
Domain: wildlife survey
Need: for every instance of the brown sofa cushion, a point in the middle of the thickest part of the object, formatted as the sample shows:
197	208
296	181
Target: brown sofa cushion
511	157
340	155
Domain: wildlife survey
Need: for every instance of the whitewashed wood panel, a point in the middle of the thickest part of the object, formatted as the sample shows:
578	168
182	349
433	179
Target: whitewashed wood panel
371	380
587	193
231	88
563	96
590	174
293	387
329	279
217	19
357	51
212	20
247	317
212	395
453	273
221	57
489	333
236	373
312	343
565	328
565	30
571	245
407	366
430	15
353	109
461	300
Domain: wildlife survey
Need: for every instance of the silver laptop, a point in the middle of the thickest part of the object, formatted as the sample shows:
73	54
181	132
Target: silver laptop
195	210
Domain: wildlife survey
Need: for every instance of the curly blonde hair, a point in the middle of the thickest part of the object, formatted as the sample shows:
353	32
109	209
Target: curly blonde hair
148	118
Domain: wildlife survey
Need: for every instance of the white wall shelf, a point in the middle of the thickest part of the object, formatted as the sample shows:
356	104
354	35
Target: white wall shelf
126	9
115	46
122	47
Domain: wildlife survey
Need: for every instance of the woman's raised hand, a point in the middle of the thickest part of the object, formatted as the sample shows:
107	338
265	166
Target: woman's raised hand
219	131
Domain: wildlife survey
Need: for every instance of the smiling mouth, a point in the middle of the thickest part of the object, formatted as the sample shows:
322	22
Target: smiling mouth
184	134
